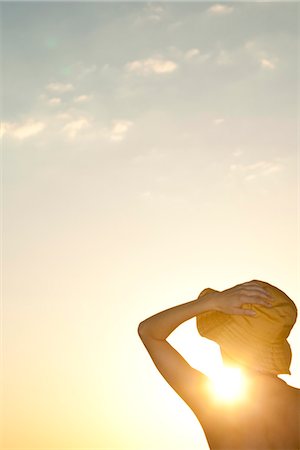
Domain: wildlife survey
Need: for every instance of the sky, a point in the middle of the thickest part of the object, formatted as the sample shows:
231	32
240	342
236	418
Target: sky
149	150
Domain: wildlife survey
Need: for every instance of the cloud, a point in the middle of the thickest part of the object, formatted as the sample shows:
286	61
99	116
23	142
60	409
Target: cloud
83	71
4	128
22	131
154	155
82	98
151	66
151	13
63	116
238	152
60	87
224	58
175	25
146	195
218	121
54	101
260	168
267	64
260	55
154	12
190	54
119	129
249	45
75	126
220	9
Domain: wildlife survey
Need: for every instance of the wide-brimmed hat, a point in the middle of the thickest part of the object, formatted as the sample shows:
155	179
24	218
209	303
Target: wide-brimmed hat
258	342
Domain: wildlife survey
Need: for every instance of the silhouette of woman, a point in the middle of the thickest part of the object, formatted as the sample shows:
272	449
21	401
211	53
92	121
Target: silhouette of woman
250	322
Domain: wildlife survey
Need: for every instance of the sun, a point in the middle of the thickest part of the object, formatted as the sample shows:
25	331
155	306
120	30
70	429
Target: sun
228	385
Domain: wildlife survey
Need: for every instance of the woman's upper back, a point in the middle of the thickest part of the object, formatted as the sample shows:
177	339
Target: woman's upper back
268	418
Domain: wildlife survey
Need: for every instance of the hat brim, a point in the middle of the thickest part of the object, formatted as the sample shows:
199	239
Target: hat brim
248	350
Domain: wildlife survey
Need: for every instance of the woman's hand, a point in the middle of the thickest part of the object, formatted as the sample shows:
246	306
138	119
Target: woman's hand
231	300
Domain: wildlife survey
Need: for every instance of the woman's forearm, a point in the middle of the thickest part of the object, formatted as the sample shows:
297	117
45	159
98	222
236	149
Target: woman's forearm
230	301
161	325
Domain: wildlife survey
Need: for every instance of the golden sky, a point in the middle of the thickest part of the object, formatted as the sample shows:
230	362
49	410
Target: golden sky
149	151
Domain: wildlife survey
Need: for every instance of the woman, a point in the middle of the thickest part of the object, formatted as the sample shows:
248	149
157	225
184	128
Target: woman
251	323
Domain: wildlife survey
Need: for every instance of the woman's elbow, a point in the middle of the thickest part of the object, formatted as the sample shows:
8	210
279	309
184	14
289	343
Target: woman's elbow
142	329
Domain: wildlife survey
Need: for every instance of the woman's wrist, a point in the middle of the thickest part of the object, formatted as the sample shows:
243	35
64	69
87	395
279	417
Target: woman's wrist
161	325
208	302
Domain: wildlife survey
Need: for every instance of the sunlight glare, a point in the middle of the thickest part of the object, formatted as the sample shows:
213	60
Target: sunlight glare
228	384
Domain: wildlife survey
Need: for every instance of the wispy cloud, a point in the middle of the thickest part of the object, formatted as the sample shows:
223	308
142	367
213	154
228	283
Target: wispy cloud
190	54
238	152
63	116
220	9
224	58
146	195
22	131
82	98
152	13
154	155
261	56
60	87
4	127
118	130
267	63
218	121
175	25
54	101
249	45
260	168
149	66
83	70
72	128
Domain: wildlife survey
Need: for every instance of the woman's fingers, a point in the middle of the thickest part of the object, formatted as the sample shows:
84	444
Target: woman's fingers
256	298
253	288
254	291
257	301
250	293
254	295
250	286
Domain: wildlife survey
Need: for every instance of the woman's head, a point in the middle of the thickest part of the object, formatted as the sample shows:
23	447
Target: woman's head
257	342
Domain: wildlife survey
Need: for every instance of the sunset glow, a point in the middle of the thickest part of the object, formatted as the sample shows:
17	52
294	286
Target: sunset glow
150	150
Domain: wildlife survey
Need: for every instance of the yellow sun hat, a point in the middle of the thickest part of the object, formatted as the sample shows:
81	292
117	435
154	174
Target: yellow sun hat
258	342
